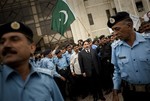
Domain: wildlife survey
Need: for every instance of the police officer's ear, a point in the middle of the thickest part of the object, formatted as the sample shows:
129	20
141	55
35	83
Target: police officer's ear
33	48
129	24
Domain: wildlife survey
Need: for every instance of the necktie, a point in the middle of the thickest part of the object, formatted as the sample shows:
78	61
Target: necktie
87	51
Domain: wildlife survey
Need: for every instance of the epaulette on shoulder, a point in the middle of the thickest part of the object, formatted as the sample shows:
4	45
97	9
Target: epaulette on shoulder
146	36
115	43
45	71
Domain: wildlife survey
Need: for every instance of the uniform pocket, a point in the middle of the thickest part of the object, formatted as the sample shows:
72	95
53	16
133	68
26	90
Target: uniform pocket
124	61
42	98
145	61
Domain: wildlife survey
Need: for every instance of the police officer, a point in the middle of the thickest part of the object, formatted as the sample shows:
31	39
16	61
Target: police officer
69	52
19	80
64	70
48	62
131	59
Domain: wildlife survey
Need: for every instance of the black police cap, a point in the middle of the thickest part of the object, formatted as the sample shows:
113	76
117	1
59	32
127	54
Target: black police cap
57	51
117	18
16	26
67	45
46	52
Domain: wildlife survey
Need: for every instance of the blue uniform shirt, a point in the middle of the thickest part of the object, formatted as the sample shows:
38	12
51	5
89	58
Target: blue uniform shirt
131	64
61	62
94	46
47	63
32	60
68	55
52	59
38	86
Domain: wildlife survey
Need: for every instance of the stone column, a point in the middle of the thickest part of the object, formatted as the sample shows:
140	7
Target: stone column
146	5
126	5
36	20
80	27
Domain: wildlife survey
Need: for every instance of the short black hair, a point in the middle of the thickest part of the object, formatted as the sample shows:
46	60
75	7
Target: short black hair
75	45
57	51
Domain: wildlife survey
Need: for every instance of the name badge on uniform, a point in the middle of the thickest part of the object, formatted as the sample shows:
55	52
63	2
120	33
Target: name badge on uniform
122	57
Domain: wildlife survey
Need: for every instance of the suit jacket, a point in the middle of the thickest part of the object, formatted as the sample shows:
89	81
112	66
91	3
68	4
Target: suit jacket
89	62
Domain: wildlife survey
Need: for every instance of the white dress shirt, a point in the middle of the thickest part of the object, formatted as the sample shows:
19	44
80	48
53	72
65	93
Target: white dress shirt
74	64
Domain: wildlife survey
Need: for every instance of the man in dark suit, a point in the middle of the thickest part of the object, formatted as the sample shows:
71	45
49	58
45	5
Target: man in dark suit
90	69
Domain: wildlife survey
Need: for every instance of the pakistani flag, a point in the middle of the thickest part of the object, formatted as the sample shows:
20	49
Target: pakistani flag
62	17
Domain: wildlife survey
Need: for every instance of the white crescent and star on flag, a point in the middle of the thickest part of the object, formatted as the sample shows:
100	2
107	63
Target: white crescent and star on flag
66	16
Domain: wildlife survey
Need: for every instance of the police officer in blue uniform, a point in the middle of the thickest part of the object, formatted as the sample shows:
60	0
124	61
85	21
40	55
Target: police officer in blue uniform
20	80
63	69
131	59
69	52
48	62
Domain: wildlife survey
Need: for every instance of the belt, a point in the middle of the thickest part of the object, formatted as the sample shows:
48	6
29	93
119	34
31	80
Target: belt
138	87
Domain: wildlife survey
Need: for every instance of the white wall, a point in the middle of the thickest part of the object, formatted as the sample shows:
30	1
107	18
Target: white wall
81	27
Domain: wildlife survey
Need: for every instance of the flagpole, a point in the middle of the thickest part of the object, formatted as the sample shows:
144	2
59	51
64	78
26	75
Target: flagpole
83	26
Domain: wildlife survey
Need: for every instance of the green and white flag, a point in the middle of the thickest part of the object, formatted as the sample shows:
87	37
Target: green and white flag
62	17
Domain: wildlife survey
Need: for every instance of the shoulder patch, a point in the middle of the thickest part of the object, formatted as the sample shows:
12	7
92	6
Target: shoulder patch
45	71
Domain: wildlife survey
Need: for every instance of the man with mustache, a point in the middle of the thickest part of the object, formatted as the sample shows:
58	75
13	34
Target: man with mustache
131	59
91	71
19	79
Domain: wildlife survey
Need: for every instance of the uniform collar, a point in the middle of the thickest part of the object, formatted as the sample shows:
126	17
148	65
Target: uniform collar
68	52
8	71
33	69
139	38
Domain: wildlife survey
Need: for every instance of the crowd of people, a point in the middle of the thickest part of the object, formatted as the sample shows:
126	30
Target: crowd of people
78	72
90	67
